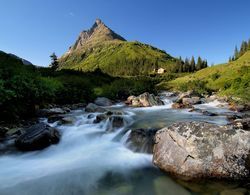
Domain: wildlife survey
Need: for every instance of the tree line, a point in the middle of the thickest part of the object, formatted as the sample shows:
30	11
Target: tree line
245	46
188	65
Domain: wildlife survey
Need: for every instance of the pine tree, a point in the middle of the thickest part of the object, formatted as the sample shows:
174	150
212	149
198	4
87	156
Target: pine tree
236	53
199	64
54	61
192	64
186	65
205	65
243	48
179	65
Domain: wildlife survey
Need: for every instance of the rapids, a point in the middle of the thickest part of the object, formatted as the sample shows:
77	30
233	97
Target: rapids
88	160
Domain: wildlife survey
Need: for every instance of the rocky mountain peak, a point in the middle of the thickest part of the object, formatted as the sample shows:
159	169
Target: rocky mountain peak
98	33
98	21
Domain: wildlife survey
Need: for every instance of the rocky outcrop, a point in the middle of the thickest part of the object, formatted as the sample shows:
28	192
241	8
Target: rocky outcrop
144	100
141	140
37	137
94	108
103	101
194	150
98	33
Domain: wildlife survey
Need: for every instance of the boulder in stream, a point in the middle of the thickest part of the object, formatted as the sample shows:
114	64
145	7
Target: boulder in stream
50	112
144	100
94	108
192	150
103	101
37	137
181	106
141	140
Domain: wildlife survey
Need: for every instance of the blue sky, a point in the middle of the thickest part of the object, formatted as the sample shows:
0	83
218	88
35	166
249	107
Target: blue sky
34	29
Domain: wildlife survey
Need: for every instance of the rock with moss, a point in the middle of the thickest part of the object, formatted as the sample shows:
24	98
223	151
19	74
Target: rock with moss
192	150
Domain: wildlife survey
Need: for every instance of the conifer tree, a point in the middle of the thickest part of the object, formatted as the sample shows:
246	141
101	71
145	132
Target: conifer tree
186	65
236	53
192	64
54	61
199	64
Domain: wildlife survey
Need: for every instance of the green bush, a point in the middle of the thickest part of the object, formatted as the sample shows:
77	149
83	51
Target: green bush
124	87
215	76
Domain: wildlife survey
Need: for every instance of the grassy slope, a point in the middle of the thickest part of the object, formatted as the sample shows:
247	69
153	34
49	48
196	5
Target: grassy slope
119	58
232	79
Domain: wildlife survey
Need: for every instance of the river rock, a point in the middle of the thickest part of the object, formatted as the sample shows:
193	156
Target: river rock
37	137
238	107
144	100
50	112
116	121
191	101
194	150
94	108
242	123
204	112
67	120
187	94
106	115
100	117
141	140
103	101
54	118
3	131
181	106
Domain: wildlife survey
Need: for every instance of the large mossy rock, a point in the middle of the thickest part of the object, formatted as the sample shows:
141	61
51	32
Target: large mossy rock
194	150
37	137
144	100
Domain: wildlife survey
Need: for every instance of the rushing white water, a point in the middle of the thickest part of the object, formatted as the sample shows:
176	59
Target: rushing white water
86	156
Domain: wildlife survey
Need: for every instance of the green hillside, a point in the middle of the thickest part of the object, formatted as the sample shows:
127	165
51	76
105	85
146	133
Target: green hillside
231	79
25	88
120	58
